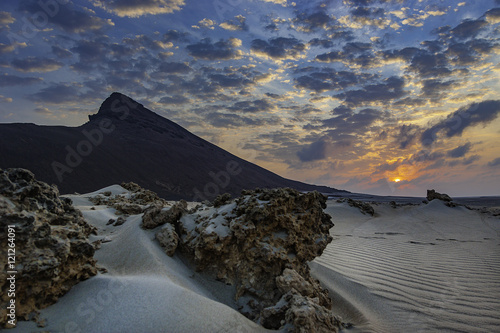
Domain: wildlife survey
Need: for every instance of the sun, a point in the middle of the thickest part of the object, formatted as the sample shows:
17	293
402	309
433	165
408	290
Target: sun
397	180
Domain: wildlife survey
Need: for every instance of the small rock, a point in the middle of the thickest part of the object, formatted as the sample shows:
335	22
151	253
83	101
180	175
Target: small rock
168	239
119	221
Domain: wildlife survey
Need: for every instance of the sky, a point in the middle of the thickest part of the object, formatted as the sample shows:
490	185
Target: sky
387	97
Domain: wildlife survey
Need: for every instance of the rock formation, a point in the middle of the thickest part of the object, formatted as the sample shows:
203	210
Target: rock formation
52	252
432	194
364	207
156	215
260	243
135	203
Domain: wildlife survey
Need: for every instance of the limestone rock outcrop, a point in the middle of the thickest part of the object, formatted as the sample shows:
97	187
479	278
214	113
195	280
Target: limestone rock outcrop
52	251
168	239
432	194
261	243
156	215
131	204
364	207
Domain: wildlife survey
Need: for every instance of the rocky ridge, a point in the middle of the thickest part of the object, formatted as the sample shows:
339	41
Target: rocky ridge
260	243
52	251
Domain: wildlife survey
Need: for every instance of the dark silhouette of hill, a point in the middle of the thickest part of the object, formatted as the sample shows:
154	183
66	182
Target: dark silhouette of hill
126	142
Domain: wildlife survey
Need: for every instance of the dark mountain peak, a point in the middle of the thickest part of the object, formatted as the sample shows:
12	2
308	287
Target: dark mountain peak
121	107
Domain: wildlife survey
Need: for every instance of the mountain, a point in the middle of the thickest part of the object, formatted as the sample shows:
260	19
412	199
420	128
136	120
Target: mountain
125	141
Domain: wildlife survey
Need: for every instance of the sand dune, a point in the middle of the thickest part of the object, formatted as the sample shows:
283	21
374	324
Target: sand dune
420	268
423	268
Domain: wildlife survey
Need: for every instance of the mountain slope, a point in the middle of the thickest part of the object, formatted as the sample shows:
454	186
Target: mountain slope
125	141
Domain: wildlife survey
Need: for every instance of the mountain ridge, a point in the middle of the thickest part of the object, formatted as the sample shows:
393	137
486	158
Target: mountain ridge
124	141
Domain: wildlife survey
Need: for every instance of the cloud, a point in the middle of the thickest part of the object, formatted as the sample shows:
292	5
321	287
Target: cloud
176	36
355	54
6	18
460	151
59	93
60	52
313	152
174	100
463	54
91	53
494	163
279	48
406	135
348	122
427	64
366	16
493	15
7	48
254	106
435	89
174	68
238	23
277	2
7	80
468	29
327	79
42	110
137	8
390	89
313	22
325	43
4	99
231	80
33	64
70	18
233	120
221	50
145	42
205	24
468	116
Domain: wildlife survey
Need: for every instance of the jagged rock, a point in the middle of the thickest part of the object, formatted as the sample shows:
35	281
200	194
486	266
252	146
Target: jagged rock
155	215
52	252
432	194
222	199
308	316
129	204
261	243
364	207
168	239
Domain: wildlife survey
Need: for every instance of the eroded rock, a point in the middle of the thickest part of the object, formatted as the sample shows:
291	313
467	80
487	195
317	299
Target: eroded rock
132	203
432	194
261	243
156	215
364	207
168	239
52	251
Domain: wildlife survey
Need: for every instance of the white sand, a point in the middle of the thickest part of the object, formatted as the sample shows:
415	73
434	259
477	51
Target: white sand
427	268
423	268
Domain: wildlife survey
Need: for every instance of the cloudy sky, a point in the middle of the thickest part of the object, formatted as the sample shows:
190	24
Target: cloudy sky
377	96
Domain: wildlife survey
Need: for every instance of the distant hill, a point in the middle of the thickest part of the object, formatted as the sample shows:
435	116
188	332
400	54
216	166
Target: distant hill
125	141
